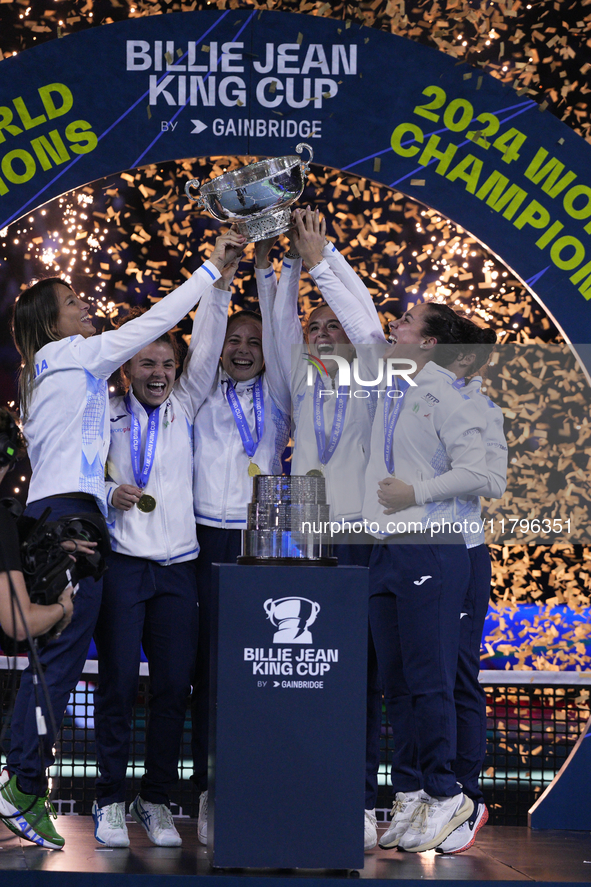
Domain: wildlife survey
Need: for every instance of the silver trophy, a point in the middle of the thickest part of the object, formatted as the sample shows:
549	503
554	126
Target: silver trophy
257	197
287	522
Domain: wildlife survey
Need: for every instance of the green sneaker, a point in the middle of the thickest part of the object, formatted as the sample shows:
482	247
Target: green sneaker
35	824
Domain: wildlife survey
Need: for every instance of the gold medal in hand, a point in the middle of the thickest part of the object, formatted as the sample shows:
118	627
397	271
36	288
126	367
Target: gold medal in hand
146	503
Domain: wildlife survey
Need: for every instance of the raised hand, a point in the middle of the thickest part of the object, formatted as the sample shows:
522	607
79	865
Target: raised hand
228	247
309	236
262	248
228	273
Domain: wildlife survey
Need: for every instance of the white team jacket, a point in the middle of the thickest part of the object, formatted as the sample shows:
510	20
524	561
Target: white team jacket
495	447
438	449
68	426
438	430
345	471
167	534
222	487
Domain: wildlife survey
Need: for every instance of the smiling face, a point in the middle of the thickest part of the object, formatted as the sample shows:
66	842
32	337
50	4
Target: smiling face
73	318
151	373
242	354
407	333
326	335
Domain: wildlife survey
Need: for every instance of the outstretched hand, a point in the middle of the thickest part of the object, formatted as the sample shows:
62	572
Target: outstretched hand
262	248
309	235
228	247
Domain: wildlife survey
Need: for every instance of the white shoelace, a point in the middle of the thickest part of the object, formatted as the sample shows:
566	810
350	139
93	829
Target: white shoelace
115	816
420	818
164	817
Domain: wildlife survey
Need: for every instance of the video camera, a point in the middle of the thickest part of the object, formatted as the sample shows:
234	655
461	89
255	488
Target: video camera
46	566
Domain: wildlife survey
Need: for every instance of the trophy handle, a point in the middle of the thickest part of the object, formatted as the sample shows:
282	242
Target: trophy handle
305	164
194	183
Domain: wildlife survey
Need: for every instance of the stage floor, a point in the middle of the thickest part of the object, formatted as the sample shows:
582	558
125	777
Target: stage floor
501	854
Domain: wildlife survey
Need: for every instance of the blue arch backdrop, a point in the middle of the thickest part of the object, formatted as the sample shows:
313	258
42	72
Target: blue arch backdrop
239	82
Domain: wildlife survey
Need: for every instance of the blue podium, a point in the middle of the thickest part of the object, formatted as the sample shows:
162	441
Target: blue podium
287	717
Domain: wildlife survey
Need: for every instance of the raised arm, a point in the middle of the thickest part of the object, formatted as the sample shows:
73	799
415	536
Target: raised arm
349	278
354	309
207	341
273	346
102	355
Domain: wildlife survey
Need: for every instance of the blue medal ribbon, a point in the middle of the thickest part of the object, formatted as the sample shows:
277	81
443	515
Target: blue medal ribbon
326	450
390	420
249	444
142	473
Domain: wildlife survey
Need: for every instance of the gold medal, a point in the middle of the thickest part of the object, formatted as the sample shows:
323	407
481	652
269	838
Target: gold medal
314	472
253	469
146	503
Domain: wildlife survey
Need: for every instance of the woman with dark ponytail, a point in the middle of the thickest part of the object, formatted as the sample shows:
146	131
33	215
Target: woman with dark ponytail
426	453
65	410
466	360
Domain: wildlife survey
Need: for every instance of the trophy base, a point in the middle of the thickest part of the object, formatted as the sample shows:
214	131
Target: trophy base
252	560
267	225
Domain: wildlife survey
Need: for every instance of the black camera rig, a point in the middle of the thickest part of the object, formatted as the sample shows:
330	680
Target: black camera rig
46	566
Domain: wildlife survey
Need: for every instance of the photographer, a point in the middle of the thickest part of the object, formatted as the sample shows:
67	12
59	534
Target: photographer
17	613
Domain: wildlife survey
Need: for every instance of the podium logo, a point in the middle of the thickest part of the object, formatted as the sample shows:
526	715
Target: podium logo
292	617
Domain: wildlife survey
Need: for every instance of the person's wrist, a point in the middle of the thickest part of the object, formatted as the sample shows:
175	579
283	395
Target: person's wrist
218	262
292	254
64	614
313	263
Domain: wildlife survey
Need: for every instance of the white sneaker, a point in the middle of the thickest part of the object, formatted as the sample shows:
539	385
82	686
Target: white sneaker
157	821
433	820
465	835
371	830
109	824
405	804
202	819
4	776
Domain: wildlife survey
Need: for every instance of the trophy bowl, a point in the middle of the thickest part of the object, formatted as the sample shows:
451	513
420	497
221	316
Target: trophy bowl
257	197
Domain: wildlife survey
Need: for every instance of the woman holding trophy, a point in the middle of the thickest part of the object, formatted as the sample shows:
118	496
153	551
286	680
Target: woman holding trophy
431	437
332	426
241	430
150	589
64	404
